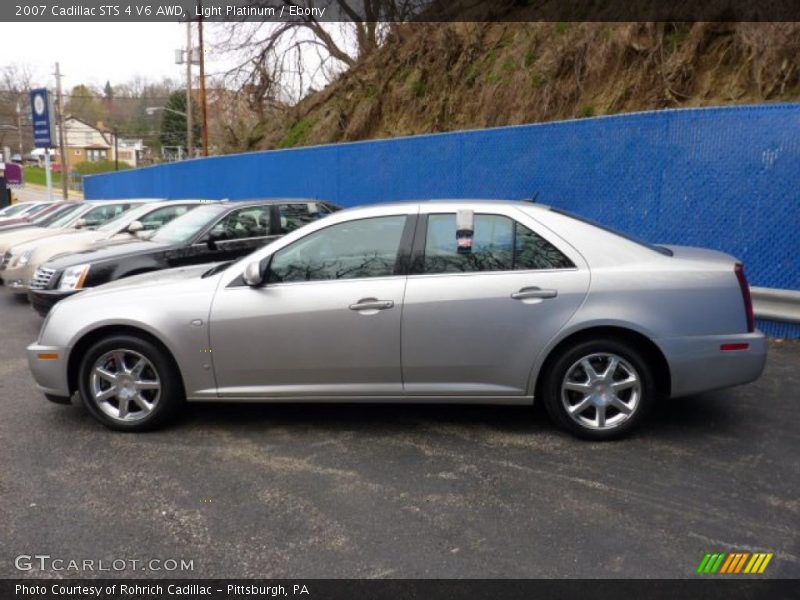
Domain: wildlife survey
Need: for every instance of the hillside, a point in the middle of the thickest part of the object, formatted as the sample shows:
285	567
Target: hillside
441	77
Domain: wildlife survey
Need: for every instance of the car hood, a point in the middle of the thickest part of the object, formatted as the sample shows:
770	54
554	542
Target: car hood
70	237
14	237
161	283
105	252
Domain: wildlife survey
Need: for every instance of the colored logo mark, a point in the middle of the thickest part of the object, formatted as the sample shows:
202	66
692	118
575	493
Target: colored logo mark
735	563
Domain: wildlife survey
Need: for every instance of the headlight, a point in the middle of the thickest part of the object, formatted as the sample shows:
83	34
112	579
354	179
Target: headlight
20	260
73	277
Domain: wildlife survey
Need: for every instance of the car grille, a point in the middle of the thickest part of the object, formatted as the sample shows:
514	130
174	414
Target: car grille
41	278
4	260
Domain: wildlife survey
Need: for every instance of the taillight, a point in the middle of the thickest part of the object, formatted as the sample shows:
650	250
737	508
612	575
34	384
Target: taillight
748	301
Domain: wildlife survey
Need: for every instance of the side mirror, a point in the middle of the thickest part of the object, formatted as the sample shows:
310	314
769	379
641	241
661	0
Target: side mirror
135	227
80	223
252	275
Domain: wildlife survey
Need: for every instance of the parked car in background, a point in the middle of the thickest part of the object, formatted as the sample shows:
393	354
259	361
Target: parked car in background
495	302
89	215
40	219
21	209
219	231
134	224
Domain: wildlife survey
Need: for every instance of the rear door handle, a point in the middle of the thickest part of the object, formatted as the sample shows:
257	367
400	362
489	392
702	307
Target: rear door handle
534	292
372	304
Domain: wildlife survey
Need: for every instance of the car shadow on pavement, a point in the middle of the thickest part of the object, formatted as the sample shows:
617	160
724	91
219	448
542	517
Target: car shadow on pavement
681	417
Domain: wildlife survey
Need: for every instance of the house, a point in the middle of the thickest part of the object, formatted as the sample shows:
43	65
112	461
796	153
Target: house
132	151
92	143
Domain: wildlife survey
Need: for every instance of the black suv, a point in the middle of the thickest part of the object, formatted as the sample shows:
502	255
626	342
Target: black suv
214	232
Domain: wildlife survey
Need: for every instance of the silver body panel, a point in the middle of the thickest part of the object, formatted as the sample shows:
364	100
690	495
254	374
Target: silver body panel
446	338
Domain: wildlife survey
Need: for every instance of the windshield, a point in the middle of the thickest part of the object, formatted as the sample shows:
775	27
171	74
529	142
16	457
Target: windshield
14	209
67	216
185	227
627	236
124	218
43	220
36	210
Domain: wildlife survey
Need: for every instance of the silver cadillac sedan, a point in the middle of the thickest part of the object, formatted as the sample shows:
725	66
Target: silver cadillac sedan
442	301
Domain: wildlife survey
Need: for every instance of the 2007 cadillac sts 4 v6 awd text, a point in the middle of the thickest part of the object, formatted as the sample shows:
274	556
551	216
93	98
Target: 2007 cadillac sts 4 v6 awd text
467	301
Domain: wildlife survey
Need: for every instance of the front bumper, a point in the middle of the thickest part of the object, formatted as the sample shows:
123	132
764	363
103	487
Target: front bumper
16	280
48	365
43	300
699	364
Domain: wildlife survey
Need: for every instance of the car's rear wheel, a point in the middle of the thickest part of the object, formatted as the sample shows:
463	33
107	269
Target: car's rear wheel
130	384
599	389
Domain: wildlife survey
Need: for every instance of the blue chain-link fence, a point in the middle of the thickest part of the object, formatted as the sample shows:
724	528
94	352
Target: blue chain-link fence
725	178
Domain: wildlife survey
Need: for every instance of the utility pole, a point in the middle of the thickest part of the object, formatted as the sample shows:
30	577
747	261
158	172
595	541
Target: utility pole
116	149
61	142
19	128
189	136
202	77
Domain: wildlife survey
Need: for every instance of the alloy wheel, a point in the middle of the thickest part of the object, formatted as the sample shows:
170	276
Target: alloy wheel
601	391
125	385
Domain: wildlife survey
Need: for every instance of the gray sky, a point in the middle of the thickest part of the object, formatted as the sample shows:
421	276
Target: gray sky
93	53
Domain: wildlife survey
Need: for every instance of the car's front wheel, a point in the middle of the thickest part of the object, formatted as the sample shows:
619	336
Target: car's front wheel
129	384
599	389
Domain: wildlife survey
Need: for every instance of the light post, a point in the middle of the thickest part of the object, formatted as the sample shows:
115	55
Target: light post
151	110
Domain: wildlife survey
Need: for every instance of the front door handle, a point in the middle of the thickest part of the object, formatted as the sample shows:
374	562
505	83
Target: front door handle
372	304
527	293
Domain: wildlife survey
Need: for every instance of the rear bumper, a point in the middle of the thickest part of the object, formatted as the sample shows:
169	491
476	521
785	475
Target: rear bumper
699	364
48	365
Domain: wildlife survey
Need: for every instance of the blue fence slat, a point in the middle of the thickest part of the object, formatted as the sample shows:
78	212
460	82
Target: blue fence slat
725	178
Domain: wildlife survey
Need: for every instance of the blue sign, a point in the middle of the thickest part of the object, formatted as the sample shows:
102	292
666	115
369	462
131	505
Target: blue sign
42	114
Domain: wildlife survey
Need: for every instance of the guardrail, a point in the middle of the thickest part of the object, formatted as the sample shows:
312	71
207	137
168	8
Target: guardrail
776	305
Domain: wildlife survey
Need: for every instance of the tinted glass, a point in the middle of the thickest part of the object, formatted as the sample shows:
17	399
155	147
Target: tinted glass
103	213
14	209
53	215
622	234
532	251
498	244
356	249
161	216
66	217
249	222
185	227
298	214
492	245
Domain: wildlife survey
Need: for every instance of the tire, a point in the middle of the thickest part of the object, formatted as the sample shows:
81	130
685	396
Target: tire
604	406
148	392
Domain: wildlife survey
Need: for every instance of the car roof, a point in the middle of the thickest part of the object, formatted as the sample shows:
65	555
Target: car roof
466	202
262	201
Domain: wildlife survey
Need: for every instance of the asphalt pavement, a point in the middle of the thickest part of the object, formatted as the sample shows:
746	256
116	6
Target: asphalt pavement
398	491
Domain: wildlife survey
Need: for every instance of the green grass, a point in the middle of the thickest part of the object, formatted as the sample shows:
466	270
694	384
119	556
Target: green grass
99	166
37	176
297	134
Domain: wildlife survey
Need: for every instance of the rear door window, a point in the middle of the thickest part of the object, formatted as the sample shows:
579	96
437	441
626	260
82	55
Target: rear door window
297	214
498	244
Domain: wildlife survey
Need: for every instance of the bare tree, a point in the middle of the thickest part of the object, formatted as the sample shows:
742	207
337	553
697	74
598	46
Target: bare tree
15	83
281	61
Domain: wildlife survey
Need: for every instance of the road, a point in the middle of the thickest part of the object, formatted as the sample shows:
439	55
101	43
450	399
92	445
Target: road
36	193
400	491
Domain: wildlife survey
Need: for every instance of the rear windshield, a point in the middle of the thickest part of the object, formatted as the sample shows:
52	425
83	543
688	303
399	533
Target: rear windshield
627	236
